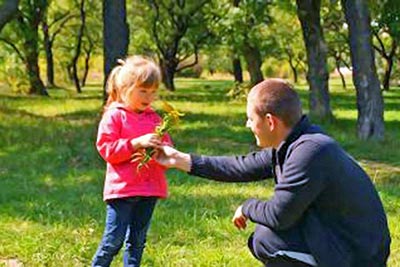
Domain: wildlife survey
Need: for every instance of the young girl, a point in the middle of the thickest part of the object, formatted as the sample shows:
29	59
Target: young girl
126	127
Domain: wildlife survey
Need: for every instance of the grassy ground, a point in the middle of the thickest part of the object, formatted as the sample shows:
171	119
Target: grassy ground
51	212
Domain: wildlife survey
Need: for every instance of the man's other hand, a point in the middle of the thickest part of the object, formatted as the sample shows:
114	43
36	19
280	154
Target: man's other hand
239	220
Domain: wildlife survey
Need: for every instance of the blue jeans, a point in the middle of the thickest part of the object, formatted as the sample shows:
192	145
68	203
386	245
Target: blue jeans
128	219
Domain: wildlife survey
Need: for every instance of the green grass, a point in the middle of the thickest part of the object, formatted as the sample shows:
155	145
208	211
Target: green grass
51	177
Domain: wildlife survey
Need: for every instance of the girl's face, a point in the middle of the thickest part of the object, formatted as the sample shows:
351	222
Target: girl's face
141	98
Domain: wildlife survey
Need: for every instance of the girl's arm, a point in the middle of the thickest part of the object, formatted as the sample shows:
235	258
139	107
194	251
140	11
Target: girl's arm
110	145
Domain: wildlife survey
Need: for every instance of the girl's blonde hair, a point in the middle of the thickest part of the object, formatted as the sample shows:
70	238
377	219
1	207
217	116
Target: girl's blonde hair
133	72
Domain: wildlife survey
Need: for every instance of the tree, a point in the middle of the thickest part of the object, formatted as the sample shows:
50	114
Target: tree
285	30
52	26
253	58
244	25
78	46
236	64
54	20
370	121
23	37
91	38
7	11
78	37
180	29
308	12
115	34
237	68
336	37
386	30
387	53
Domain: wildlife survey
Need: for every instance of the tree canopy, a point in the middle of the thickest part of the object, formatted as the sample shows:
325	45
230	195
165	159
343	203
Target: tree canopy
48	43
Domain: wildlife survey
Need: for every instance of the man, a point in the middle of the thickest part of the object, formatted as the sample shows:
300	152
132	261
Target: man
325	210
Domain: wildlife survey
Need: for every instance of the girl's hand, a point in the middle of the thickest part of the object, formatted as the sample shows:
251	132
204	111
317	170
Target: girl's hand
145	141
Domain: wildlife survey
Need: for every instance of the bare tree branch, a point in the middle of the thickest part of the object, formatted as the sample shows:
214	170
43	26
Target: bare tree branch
14	47
156	8
380	49
196	60
61	26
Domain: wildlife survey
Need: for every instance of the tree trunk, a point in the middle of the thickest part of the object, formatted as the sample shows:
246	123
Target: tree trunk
370	121
49	54
337	63
168	72
253	59
7	11
341	76
31	49
293	68
76	78
236	64
387	56
389	66
115	34
70	72
88	54
78	47
32	66
388	73
237	69
295	76
308	12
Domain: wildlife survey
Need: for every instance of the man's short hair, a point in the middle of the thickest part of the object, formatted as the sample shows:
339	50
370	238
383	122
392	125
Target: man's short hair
276	96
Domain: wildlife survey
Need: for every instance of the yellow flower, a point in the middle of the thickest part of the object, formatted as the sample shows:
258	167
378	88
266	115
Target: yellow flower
172	112
170	119
167	107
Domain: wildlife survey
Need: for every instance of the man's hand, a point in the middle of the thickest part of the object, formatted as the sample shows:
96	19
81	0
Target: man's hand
166	156
239	220
172	158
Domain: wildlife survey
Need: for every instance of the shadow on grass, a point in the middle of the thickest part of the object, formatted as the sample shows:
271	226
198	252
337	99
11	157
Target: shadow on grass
199	97
95	116
19	112
346	101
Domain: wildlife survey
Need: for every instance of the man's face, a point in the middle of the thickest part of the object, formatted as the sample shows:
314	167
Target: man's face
259	125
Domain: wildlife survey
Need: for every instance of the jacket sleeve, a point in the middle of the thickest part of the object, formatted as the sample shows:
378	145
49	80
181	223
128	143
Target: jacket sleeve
302	181
110	145
252	167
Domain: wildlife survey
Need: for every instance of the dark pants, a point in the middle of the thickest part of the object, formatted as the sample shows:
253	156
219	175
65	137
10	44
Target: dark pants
266	245
127	220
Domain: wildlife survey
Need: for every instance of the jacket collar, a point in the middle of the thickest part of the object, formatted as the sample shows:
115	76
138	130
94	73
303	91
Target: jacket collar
300	127
119	105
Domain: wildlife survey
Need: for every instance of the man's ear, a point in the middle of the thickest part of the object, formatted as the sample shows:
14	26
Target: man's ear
271	121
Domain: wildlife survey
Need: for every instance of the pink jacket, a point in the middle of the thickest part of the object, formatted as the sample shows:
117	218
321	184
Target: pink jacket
117	127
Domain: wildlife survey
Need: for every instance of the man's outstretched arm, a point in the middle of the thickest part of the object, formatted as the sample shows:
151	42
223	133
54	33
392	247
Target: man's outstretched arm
252	167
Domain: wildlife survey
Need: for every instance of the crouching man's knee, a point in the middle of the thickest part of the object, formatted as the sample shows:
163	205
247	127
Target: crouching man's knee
279	248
